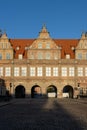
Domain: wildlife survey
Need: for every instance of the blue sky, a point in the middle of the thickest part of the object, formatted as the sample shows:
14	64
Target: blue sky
25	18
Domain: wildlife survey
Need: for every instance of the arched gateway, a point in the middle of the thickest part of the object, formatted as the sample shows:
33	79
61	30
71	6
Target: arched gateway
68	91
36	91
52	91
20	91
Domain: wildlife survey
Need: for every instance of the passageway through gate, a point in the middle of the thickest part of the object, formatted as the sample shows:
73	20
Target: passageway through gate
36	91
52	91
20	91
68	91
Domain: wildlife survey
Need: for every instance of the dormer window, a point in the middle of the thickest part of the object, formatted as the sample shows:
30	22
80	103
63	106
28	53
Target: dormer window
17	48
20	56
67	56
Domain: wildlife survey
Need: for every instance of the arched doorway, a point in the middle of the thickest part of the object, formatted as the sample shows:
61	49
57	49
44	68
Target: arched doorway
36	91
51	91
68	91
20	92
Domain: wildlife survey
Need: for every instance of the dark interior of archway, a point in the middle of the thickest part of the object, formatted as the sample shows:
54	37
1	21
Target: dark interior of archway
20	92
68	89
36	92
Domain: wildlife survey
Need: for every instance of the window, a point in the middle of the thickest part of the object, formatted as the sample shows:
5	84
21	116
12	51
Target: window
55	71
80	71
79	55
40	55
39	71
86	56
40	45
85	71
71	71
0	56
23	71
48	71
1	71
20	56
7	71
8	56
16	71
17	48
67	56
32	71
64	71
47	55
47	45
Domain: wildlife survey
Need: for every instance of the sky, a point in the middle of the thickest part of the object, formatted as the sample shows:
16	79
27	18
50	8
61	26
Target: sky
64	19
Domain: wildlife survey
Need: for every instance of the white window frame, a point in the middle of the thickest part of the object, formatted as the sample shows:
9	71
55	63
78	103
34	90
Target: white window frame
39	71
55	71
48	71
48	56
64	71
71	71
80	71
16	71
8	71
86	71
32	71
23	71
39	45
20	56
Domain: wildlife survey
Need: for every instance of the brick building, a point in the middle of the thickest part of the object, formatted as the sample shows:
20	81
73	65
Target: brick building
44	66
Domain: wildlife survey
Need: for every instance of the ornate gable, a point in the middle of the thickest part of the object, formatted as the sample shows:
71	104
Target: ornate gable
81	49
44	45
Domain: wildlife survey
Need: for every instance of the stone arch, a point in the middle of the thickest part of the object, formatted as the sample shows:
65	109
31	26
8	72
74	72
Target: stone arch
20	91
36	91
68	91
52	91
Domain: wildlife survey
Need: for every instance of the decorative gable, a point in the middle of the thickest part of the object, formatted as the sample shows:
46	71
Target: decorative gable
6	50
44	45
81	49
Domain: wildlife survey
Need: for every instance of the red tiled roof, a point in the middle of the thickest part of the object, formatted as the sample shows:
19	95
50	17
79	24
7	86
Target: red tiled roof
65	44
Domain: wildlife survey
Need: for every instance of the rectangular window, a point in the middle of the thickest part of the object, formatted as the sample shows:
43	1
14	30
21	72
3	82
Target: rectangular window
23	71
7	71
85	71
71	71
32	71
39	71
64	71
55	71
16	71
39	45
80	71
48	71
79	55
67	56
1	71
20	56
8	56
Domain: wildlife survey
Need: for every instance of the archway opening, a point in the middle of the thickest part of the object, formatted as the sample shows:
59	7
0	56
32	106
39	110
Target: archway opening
20	92
52	91
68	91
36	91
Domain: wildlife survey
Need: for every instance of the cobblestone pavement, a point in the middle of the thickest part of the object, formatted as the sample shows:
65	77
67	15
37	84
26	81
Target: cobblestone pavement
44	114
